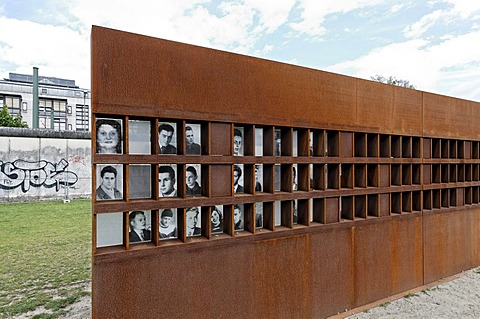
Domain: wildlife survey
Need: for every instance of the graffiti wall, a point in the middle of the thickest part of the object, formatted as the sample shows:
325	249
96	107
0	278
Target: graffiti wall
37	168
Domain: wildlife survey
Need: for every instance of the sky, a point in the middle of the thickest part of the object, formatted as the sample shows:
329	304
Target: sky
434	44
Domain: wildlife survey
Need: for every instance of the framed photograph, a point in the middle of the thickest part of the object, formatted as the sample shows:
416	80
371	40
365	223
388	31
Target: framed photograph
294	177
109	229
238	179
258	141
259	215
278	176
140	181
109	182
193	139
139	138
167	180
295	143
311	143
278	142
193	180
258	177
238	133
108	136
238	217
295	211
167	138
140	226
193	221
168	224
217	219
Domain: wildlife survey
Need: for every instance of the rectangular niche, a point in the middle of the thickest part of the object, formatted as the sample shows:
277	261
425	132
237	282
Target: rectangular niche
140	181
139	137
109	229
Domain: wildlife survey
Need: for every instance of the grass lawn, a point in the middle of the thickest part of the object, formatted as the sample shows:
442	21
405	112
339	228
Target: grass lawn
45	256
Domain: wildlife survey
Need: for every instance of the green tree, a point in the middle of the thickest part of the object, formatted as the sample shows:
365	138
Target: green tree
393	81
10	121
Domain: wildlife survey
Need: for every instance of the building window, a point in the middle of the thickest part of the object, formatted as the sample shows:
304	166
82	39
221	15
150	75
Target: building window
12	102
81	117
50	109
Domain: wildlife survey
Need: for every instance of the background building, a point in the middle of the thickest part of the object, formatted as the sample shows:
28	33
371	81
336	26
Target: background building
62	104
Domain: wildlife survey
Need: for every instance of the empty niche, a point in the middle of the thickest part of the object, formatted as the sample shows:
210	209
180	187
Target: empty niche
167	180
258	141
217	219
193	138
140	181
167	138
259	215
278	213
140	226
238	217
139	139
193	180
193	222
109	229
238	134
168	224
238	185
258	177
109	136
109	182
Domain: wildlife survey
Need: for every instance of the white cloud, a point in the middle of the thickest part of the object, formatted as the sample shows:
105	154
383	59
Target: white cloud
421	26
57	51
429	67
314	13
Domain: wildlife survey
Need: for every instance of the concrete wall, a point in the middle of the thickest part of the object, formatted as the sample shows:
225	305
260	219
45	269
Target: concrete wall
39	164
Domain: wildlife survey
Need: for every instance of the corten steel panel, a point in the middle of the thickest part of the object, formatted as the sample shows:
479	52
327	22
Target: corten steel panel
388	109
447	243
230	281
388	257
199	83
450	117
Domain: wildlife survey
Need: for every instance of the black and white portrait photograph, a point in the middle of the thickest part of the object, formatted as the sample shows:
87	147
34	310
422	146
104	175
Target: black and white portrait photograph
258	141
139	139
168	223
238	179
238	217
277	176
311	143
140	226
167	182
192	139
193	180
109	182
294	177
109	136
278	213
278	142
217	219
258	177
295	211
140	181
259	215
109	229
238	141
193	223
167	138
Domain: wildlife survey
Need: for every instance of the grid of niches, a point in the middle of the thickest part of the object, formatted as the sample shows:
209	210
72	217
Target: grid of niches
451	173
257	179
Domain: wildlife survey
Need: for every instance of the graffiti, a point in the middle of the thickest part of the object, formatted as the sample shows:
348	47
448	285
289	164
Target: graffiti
25	174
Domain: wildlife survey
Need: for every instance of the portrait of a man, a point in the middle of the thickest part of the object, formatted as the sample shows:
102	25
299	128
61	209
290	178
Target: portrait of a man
165	137
193	222
168	228
192	148
166	181
108	184
237	179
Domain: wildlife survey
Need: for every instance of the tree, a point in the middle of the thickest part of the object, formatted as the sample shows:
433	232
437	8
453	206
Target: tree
393	81
10	121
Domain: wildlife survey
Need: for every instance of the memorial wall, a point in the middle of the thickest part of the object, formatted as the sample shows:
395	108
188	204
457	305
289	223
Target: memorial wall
236	187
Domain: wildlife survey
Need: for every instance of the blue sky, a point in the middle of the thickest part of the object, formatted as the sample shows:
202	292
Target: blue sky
435	44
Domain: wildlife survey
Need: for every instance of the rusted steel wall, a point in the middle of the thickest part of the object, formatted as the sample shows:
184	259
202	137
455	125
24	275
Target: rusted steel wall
313	269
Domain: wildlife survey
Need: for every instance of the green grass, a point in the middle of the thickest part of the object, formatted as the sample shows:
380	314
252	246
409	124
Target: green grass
409	295
45	256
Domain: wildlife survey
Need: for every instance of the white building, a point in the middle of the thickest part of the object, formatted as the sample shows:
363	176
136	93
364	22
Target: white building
62	104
